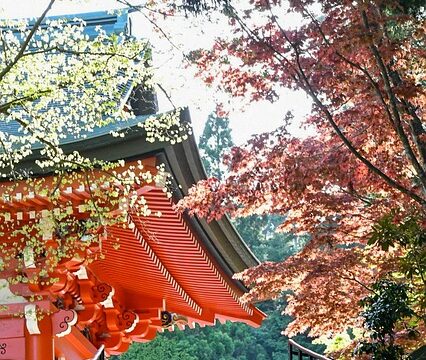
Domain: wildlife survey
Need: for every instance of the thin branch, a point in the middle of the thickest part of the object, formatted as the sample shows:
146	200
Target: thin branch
58	184
356	66
311	92
5	47
354	151
394	107
98	212
276	53
139	9
75	52
6	106
353	278
167	95
352	192
147	8
26	41
417	129
29	129
9	157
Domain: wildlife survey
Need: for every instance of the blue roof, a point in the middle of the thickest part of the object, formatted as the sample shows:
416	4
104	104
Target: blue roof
13	128
117	22
113	22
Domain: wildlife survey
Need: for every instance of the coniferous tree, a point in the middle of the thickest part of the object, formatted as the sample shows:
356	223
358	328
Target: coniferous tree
259	232
216	139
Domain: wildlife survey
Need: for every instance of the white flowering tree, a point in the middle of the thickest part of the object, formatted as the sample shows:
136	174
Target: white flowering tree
58	83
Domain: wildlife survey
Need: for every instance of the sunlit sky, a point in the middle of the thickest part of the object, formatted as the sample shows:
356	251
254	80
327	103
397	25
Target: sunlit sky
177	79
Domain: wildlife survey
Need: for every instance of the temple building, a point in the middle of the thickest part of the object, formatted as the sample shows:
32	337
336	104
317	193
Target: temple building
170	271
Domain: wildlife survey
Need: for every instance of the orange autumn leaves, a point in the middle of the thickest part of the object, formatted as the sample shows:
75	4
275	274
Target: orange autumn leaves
361	67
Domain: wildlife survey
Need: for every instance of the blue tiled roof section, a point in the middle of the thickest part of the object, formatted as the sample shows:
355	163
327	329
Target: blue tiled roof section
13	128
116	126
115	22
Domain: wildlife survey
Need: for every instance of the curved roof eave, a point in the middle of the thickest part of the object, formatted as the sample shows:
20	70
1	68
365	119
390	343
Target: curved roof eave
183	161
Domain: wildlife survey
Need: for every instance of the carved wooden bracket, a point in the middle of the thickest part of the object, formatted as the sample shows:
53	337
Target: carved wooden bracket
62	322
169	319
128	319
102	292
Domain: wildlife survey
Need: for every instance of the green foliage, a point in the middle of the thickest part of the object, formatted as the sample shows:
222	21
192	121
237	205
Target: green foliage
389	231
258	231
214	141
388	305
414	7
158	349
409	234
405	30
223	342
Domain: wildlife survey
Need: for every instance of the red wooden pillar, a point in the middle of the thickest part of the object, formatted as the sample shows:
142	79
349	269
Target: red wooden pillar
40	346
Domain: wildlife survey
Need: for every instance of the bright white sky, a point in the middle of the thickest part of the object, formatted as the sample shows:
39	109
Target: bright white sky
185	90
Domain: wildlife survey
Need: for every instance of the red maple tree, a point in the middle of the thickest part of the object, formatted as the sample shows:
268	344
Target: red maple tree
363	65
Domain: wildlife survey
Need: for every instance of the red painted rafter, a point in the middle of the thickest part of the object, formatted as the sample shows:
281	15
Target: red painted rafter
159	265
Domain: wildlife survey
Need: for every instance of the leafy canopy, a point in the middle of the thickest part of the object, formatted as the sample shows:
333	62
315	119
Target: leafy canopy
363	64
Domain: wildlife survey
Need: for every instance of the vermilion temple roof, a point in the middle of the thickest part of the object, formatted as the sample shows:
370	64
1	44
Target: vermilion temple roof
172	264
168	271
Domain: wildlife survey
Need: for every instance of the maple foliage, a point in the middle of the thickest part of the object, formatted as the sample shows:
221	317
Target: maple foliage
363	65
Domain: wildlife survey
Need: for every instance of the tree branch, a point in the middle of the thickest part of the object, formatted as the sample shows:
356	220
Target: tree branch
416	129
306	85
166	95
394	107
9	157
394	184
26	41
356	66
6	106
139	8
353	278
